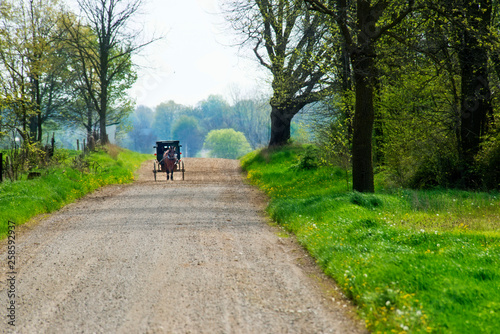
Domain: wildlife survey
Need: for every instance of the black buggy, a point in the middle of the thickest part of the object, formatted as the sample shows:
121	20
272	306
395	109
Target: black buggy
160	166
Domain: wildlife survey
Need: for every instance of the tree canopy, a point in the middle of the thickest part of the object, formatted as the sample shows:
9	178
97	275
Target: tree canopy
226	143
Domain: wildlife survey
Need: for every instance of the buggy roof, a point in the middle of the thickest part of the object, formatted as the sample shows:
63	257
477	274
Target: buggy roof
168	143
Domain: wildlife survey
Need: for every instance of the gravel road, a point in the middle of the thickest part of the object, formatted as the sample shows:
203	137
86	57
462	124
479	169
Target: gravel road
193	256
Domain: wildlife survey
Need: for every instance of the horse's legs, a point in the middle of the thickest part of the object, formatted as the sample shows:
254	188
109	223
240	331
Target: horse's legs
167	175
172	175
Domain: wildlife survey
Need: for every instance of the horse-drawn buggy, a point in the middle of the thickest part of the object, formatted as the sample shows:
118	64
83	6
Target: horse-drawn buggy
168	158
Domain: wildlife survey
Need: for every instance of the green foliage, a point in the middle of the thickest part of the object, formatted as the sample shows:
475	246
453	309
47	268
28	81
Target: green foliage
141	137
415	131
308	159
187	130
226	143
412	261
333	130
251	116
62	184
488	162
298	54
32	65
164	117
215	113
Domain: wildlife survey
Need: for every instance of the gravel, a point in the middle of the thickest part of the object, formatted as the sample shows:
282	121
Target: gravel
193	256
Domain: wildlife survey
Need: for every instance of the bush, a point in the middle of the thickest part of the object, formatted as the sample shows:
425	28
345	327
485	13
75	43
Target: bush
488	161
308	160
226	143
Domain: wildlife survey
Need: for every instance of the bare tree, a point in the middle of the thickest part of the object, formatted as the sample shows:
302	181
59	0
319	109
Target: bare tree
291	43
106	51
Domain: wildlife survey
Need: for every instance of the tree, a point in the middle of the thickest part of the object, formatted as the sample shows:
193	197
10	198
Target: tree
215	113
226	143
458	38
187	130
165	116
107	51
291	43
141	138
33	70
472	21
251	116
372	22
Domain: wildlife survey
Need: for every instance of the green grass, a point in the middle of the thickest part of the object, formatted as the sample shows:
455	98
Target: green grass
63	184
412	261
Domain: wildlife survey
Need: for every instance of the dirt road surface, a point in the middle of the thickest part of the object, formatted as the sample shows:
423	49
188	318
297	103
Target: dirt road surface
193	256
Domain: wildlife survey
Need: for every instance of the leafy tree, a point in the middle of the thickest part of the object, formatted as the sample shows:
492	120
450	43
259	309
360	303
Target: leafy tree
468	25
215	113
106	52
226	143
165	116
187	130
141	137
362	26
251	116
292	44
33	72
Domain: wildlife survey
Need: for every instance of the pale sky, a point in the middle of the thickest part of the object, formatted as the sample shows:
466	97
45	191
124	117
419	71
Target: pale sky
194	59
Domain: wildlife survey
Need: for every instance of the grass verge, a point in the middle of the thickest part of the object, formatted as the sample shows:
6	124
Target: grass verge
65	182
412	261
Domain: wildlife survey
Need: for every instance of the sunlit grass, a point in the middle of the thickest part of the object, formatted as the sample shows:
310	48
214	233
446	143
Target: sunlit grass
412	261
63	184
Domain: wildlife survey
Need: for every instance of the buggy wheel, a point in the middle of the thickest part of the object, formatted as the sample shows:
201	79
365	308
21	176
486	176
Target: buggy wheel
154	169
182	169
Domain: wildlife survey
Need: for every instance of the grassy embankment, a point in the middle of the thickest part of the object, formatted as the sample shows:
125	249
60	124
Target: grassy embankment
412	261
64	182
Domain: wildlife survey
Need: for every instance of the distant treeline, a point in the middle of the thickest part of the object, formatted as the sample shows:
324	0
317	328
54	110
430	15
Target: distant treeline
190	125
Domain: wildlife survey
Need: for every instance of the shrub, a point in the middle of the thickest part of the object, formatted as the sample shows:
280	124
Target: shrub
226	143
488	161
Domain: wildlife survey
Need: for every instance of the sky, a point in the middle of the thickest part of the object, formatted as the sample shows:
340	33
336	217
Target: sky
195	59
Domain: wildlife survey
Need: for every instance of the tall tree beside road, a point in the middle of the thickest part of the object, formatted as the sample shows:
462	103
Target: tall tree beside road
291	43
472	21
107	51
361	26
33	71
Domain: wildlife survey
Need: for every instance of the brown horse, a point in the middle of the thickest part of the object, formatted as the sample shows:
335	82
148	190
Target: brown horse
169	159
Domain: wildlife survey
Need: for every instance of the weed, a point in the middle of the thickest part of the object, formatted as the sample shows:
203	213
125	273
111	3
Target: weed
64	182
413	261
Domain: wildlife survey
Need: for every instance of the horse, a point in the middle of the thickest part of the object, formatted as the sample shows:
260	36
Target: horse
169	160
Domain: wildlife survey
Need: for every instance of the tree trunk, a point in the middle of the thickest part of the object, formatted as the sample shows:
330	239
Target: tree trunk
280	126
363	61
475	90
281	120
475	104
362	162
33	125
103	112
102	126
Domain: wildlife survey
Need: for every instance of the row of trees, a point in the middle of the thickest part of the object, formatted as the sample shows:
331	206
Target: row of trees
414	79
191	125
57	67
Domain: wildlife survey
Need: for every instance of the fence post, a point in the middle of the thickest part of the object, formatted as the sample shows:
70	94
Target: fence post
78	144
1	167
